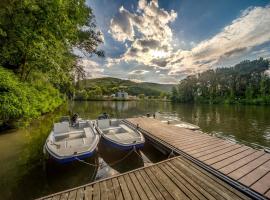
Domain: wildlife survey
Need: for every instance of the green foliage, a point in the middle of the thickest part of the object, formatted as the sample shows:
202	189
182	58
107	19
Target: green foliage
245	83
37	39
23	100
108	86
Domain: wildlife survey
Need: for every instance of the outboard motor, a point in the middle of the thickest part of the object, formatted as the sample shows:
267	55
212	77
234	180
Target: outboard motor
104	116
74	119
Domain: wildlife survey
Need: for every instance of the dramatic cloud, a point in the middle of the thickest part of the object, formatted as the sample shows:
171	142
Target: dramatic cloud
148	32
149	40
250	30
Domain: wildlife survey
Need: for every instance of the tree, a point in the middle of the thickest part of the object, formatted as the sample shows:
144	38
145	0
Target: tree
38	36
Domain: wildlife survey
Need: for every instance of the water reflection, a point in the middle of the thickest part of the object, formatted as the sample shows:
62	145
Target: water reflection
22	170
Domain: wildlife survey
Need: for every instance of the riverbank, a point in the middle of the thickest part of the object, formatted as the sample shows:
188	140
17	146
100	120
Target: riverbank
236	101
121	99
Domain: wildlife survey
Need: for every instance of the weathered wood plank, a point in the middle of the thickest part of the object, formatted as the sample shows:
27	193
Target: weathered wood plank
202	145
220	152
117	189
57	197
224	156
144	186
72	195
103	191
232	159
174	191
96	191
151	185
239	173
138	186
263	184
218	183
131	188
88	193
124	188
180	183
64	196
204	181
157	183
256	174
111	195
235	165
80	194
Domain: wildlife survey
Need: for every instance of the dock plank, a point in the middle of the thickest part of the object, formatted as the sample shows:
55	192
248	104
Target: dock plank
124	188
151	185
224	156
157	183
175	178
117	189
232	159
256	174
263	185
179	177
242	171
88	192
72	195
64	196
187	189
96	192
174	191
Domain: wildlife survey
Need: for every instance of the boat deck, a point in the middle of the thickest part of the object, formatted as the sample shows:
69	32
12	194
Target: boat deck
243	164
176	178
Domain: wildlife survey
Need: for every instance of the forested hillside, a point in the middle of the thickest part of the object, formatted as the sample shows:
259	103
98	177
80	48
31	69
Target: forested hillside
247	82
37	67
108	85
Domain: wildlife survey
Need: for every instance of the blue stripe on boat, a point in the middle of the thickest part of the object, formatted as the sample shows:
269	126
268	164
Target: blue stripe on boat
73	158
123	147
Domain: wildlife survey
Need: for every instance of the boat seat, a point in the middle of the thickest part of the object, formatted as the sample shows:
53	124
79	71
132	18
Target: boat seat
88	132
103	123
62	127
126	127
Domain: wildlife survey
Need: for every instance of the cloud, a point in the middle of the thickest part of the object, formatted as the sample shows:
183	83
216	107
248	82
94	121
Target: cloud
150	42
249	30
138	72
92	68
147	30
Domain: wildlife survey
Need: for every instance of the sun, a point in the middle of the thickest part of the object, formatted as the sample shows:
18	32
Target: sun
158	54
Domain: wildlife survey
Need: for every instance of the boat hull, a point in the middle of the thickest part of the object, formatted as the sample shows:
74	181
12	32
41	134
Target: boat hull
70	159
122	147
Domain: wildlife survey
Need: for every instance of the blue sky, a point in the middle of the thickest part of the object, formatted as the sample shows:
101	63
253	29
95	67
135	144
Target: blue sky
165	41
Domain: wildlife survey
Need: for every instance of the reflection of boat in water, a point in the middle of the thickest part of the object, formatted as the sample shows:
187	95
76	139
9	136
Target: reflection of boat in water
119	135
71	141
113	160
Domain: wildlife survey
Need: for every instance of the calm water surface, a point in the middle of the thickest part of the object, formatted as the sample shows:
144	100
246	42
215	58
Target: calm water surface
25	175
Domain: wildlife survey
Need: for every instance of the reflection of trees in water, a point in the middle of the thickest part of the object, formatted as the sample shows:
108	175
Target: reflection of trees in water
248	123
117	109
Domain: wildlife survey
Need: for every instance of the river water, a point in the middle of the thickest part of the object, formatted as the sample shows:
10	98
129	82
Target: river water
25	175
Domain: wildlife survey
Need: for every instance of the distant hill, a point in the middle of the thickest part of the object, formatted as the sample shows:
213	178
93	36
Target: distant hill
110	85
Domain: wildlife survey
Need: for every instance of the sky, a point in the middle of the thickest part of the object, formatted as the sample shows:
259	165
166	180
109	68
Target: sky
167	40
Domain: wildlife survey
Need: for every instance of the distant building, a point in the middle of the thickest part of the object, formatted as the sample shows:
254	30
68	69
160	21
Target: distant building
123	95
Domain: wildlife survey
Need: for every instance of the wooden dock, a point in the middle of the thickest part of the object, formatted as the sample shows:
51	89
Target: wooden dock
176	178
247	166
206	167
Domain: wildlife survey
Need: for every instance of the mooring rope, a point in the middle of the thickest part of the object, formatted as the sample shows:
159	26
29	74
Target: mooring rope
111	164
115	162
145	161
